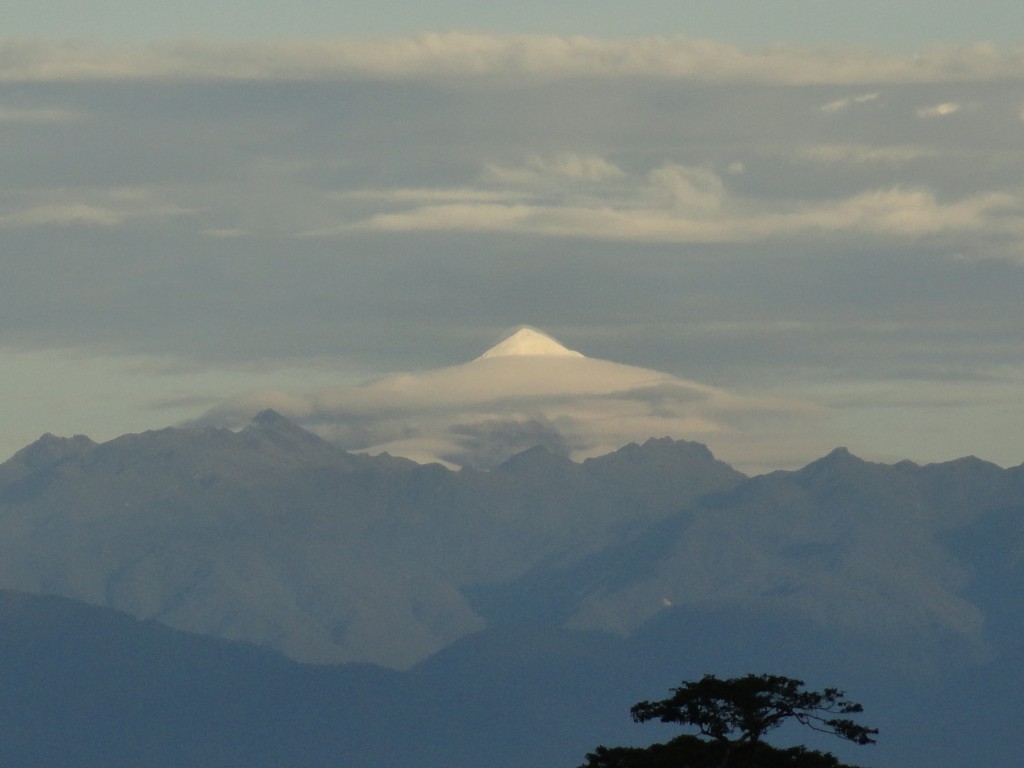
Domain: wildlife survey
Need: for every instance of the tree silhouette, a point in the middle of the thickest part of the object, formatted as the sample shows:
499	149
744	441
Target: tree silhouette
733	715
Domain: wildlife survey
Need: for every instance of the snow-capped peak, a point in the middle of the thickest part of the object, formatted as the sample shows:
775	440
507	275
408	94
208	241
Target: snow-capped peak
529	342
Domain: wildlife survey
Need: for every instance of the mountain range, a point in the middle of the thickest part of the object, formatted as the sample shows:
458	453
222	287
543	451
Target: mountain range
262	597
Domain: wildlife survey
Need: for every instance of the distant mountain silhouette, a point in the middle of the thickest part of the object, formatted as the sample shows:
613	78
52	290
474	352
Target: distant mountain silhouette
272	535
527	607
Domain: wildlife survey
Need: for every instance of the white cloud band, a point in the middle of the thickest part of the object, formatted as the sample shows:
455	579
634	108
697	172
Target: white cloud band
463	55
672	203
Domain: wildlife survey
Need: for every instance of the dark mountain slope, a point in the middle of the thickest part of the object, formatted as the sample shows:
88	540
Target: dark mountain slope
498	589
85	686
890	555
272	535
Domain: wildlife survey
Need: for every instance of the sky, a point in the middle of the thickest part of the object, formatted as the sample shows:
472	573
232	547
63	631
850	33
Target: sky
902	26
816	213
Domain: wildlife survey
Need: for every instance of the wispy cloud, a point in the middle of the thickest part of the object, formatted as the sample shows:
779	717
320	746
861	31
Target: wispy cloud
472	56
227	233
939	110
105	208
864	154
841	104
39	115
681	204
561	168
428	195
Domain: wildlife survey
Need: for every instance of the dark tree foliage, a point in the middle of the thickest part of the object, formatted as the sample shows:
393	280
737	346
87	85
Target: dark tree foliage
743	709
692	752
733	715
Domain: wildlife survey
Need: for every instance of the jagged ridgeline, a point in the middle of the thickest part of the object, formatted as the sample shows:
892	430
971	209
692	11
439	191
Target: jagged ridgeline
542	580
273	535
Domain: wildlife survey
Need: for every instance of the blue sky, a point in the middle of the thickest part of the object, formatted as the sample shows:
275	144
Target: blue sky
219	205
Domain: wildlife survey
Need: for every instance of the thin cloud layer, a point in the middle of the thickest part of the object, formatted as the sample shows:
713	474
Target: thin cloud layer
864	154
589	197
63	207
939	110
845	103
38	115
455	56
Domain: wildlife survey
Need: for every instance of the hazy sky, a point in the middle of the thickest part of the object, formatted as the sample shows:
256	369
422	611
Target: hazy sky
905	25
821	205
